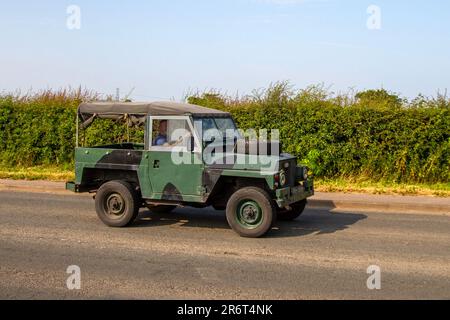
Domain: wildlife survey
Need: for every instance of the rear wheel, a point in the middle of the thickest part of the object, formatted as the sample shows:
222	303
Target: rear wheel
117	204
250	212
295	211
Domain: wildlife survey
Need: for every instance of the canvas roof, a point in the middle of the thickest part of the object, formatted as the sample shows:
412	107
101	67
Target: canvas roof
137	111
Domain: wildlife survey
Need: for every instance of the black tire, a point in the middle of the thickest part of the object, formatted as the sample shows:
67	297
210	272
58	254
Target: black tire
161	209
251	212
117	204
296	211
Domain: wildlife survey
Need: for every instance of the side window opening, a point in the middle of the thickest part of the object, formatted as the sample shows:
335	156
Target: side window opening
170	133
159	134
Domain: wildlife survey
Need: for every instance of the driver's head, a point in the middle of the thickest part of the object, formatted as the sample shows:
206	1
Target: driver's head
163	127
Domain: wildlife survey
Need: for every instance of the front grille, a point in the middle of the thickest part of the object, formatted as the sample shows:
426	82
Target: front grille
291	172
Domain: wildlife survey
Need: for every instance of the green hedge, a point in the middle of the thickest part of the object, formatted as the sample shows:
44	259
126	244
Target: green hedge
371	134
40	129
37	130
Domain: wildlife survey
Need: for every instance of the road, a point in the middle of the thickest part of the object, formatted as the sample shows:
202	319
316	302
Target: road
192	254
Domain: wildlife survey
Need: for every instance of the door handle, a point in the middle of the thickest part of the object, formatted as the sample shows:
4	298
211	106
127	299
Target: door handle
156	164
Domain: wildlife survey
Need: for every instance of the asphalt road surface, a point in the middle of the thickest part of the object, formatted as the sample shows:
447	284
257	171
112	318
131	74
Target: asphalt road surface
192	254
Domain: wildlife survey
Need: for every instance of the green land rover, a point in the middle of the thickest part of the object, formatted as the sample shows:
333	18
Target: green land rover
188	158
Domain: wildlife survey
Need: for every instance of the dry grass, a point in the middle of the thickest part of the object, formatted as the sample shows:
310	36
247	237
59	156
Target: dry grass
382	187
37	173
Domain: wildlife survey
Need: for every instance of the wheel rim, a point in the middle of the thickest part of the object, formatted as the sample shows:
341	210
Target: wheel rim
114	206
249	214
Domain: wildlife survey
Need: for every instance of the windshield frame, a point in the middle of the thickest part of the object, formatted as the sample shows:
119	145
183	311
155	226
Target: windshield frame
214	119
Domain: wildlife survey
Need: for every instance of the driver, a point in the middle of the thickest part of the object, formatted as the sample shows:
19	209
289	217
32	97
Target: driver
161	138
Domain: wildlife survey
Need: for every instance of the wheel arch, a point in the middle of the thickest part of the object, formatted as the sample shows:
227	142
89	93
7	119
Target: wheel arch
226	186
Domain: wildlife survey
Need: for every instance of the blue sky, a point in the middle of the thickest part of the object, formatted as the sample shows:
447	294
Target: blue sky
167	48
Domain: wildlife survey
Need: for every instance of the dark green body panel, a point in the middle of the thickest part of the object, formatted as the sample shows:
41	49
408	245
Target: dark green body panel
170	182
159	179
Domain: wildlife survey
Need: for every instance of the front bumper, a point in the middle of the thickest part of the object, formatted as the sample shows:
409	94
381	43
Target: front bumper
290	195
71	186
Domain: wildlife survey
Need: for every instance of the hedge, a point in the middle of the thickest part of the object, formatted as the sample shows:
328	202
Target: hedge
372	134
40	129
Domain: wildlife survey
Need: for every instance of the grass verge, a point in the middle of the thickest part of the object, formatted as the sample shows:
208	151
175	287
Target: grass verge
54	173
50	173
382	187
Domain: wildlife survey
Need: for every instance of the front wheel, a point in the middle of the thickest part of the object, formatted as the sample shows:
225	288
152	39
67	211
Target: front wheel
117	204
250	212
295	211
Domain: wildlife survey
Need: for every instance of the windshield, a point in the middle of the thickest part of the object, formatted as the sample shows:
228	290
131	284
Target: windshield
211	126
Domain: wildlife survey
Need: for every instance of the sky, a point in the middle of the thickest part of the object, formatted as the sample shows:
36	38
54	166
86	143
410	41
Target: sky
165	49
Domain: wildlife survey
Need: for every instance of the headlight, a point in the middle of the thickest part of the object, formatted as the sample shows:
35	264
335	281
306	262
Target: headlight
282	178
305	173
